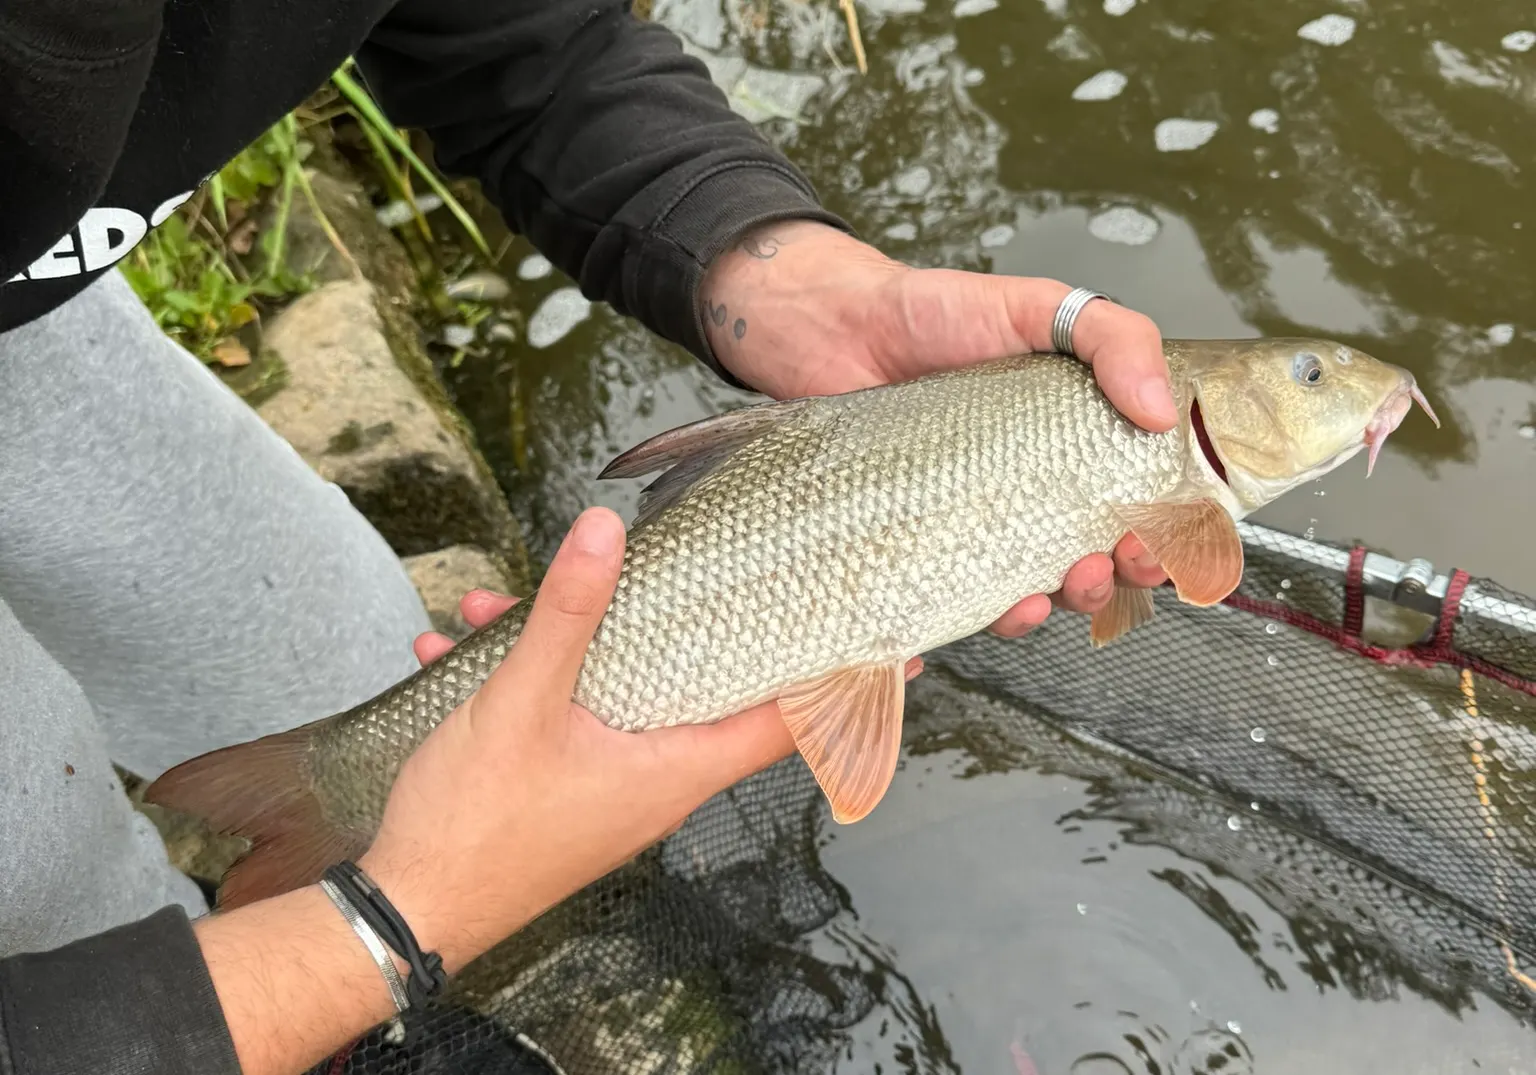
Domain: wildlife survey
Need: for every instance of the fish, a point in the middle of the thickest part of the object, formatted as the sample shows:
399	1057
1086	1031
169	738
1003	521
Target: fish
805	550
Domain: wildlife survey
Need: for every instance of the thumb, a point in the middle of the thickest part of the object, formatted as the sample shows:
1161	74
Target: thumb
567	608
709	758
1125	350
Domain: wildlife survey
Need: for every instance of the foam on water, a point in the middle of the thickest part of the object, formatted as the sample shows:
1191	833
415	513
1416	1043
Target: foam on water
1328	30
561	311
1265	119
1101	87
1182	135
1123	224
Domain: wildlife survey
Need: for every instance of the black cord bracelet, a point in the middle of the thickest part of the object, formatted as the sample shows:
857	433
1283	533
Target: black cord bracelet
427	978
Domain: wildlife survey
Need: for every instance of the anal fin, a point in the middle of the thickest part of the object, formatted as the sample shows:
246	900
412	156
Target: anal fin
1196	542
847	727
1129	607
260	790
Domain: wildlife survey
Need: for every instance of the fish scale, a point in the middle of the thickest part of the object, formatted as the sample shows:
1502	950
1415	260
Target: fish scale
806	550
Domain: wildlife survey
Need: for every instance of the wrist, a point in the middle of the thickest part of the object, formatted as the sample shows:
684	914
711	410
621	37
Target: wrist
443	915
787	297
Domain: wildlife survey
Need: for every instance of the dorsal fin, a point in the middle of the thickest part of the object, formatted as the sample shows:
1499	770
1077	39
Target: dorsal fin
691	451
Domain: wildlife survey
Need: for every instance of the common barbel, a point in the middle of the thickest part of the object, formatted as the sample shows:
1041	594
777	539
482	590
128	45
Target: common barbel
805	550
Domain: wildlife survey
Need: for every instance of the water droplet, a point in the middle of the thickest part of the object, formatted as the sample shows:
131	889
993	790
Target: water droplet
1285	584
1234	823
1311	532
1528	432
1319	492
1257	735
1272	661
1234	1026
1082	908
1253	806
1271	628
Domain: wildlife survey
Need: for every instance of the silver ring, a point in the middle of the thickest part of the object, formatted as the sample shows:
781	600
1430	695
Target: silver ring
1066	317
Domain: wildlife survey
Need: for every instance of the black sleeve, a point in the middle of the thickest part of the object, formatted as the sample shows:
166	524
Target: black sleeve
135	1000
71	72
596	136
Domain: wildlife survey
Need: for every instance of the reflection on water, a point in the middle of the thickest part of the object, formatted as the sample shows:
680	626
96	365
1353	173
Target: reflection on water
1232	170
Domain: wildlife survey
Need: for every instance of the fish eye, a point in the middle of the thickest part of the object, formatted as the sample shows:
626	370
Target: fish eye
1307	368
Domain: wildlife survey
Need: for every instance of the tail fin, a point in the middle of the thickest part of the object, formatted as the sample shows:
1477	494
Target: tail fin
261	790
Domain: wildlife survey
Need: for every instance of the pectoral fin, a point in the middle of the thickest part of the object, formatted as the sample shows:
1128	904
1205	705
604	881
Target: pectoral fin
847	726
1195	541
1129	607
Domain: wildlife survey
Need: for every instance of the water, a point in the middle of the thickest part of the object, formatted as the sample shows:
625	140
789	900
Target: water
1377	191
1363	173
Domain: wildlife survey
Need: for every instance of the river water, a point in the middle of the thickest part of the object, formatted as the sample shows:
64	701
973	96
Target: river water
1362	171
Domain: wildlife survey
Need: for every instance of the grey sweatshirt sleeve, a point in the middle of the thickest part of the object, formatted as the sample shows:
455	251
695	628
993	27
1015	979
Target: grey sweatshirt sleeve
596	136
135	1000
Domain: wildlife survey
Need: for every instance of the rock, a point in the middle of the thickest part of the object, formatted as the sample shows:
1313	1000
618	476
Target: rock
353	414
444	576
193	848
392	439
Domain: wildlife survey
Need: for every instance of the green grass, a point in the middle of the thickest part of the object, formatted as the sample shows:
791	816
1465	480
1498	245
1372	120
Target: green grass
222	259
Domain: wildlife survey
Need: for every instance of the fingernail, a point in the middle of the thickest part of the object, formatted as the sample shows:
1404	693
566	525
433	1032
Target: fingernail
1156	398
1101	591
596	532
1146	560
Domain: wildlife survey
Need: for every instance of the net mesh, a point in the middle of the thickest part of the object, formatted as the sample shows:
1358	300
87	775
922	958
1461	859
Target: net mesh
1382	763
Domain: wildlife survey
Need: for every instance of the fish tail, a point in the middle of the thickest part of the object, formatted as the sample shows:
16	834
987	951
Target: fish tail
261	791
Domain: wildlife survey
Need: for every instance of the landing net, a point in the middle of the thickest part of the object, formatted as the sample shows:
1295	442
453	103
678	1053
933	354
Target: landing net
1371	722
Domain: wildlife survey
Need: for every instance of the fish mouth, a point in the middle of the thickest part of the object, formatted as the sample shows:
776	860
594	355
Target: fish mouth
1390	415
1204	440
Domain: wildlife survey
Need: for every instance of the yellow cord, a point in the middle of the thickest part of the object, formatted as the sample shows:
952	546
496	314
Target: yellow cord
1469	698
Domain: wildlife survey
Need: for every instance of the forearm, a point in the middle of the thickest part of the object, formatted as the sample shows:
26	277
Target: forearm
596	136
295	983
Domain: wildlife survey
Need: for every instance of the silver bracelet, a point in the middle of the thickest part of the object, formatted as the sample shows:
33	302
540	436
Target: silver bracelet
372	942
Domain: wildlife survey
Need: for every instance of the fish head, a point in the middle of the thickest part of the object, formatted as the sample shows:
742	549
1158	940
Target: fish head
1272	414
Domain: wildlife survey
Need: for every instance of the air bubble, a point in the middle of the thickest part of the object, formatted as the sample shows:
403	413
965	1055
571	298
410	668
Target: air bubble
1257	735
1285	584
1272	661
1082	908
1234	1026
1234	823
1271	628
1254	807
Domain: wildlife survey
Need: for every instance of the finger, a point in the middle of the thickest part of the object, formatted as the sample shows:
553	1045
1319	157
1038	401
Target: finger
709	758
430	646
480	607
1089	584
1135	565
1125	350
718	755
1023	617
567	609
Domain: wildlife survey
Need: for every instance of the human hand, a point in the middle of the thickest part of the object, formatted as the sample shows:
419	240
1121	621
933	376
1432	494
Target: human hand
799	308
520	797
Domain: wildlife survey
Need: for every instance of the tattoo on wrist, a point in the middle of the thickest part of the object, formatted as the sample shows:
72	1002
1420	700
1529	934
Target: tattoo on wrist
717	314
761	249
